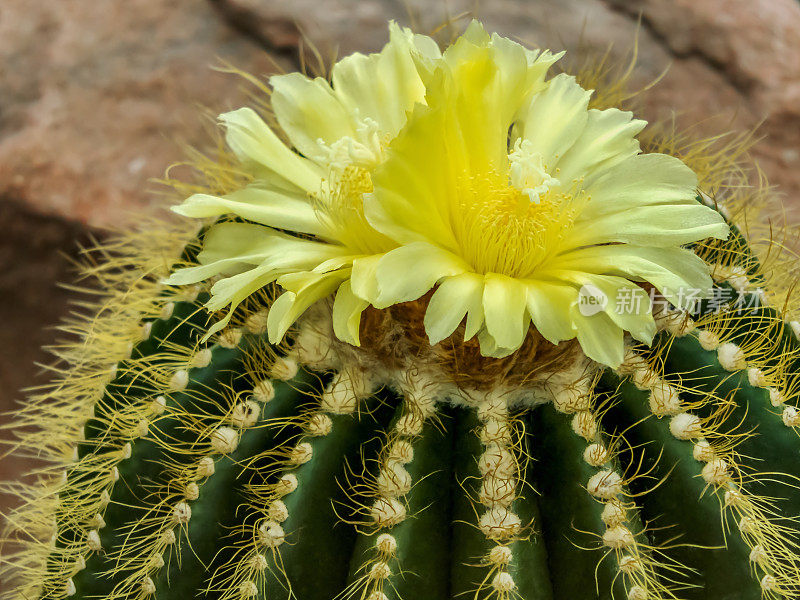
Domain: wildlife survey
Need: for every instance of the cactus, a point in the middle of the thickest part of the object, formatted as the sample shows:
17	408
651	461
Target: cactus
321	446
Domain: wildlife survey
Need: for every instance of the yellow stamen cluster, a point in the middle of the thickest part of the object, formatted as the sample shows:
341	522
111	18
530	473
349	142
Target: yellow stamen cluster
499	228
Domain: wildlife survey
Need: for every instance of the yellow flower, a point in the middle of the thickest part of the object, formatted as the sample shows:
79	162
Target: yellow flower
311	191
464	173
509	227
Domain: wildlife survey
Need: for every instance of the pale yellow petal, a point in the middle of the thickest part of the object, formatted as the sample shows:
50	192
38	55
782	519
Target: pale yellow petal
504	306
363	280
555	118
600	339
383	86
303	289
232	291
673	271
475	33
347	309
463	132
658	226
252	256
489	346
268	207
412	188
517	72
481	93
515	87
230	248
337	262
280	250
406	273
251	139
455	298
642	180
187	275
426	46
607	139
549	306
625	303
308	110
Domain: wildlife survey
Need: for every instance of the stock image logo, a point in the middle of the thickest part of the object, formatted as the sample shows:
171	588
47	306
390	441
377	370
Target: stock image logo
591	300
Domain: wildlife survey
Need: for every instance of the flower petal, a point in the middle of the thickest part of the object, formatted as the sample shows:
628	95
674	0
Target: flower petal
347	309
268	207
549	304
363	280
412	187
625	303
537	64
250	138
463	132
228	248
480	96
607	139
600	339
673	271
489	346
641	180
383	86
406	273
337	262
232	291
303	289
308	110
500	74
456	297
504	306
555	118
658	226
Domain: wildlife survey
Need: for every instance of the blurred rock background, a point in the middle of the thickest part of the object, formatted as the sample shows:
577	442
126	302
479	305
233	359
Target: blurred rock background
96	98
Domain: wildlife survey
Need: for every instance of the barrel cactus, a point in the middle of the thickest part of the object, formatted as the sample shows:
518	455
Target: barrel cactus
440	325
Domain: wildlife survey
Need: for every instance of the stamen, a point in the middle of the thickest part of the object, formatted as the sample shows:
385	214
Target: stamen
340	206
500	229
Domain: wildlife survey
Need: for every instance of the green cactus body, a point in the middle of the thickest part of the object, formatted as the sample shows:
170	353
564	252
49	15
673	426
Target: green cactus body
237	470
189	457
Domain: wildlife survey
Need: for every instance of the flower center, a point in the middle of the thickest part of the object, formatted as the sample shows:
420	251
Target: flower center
528	173
509	224
340	205
340	201
365	149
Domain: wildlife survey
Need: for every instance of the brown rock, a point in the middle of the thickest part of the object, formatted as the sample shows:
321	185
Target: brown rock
750	50
95	98
33	254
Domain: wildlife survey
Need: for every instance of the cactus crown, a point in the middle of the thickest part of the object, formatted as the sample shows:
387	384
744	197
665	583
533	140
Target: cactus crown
370	377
